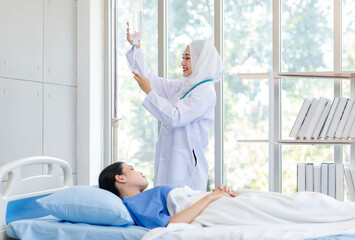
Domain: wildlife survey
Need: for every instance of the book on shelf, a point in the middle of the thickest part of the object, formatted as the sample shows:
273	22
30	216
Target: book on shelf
324	178
307	119
315	118
350	183
349	123
352	173
339	181
336	118
352	131
300	117
322	120
325	128
331	180
309	177
343	119
316	179
301	177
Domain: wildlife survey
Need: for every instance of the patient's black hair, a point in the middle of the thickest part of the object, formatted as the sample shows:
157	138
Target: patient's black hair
107	177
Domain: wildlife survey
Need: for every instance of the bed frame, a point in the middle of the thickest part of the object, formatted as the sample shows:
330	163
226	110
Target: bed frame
57	176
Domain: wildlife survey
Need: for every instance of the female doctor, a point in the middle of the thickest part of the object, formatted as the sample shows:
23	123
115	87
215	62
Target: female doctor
185	108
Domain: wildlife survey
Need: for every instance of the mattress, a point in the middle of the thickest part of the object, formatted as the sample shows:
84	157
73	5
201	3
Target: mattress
51	228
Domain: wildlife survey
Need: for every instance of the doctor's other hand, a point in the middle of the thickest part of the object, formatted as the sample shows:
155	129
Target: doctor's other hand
143	82
223	191
128	37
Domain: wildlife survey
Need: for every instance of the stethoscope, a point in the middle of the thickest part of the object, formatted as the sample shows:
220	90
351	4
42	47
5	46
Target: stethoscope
202	82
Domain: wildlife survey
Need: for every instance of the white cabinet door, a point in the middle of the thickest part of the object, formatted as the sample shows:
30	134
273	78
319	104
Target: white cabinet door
21	38
20	121
60	123
60	41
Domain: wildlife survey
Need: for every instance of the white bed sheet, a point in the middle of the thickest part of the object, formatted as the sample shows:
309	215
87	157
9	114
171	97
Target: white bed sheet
182	231
259	215
51	228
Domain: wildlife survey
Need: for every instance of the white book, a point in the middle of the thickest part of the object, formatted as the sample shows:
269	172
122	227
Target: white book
339	181
331	180
316	179
350	184
322	120
343	119
301	177
336	118
309	177
325	128
315	118
324	178
352	171
352	131
307	119
349	123
300	117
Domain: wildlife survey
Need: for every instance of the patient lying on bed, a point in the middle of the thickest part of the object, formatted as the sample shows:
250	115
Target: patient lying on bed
160	206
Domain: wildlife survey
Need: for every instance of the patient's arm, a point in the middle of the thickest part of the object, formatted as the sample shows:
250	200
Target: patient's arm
190	213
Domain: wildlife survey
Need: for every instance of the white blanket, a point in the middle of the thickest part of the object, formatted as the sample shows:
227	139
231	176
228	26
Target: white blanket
259	215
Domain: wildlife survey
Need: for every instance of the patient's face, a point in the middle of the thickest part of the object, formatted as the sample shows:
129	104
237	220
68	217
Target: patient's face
134	178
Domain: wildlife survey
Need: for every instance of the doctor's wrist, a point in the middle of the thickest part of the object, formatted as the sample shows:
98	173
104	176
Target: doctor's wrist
147	91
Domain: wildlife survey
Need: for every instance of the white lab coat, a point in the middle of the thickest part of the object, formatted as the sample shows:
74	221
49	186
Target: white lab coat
184	129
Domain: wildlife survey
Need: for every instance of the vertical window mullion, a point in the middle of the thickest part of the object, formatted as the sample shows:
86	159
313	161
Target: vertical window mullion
162	41
162	37
219	118
337	65
274	105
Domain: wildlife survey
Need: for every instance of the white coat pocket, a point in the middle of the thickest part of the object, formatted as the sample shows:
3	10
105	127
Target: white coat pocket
181	165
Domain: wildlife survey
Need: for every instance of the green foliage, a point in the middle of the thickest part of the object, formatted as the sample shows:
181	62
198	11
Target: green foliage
306	35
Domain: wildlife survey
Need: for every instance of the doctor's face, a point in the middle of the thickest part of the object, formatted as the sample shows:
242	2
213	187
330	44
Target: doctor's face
186	62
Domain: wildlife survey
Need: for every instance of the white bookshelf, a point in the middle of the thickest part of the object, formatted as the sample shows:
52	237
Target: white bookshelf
275	123
315	142
326	75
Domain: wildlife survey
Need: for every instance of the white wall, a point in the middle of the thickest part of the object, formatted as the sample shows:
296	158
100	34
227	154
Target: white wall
91	68
38	80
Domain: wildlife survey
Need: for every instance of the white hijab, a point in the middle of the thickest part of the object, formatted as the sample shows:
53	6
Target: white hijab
205	62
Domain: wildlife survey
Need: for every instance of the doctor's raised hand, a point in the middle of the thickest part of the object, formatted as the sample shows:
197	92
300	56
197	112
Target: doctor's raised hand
128	37
143	82
185	107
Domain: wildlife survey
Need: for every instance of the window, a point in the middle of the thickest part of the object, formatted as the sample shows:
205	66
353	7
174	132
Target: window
138	129
306	44
188	20
306	35
348	38
247	51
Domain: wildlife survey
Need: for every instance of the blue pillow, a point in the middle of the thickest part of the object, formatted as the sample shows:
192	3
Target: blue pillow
87	204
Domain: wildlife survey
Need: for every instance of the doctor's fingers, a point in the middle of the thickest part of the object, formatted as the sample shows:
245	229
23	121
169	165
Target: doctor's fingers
127	30
128	35
138	79
141	78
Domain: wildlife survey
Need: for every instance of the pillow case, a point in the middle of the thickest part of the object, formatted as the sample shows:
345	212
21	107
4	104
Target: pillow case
87	204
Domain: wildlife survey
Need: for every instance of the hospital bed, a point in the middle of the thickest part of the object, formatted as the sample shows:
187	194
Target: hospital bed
23	218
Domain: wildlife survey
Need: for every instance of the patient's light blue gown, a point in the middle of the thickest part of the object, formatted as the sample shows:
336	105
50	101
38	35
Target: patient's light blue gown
148	209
